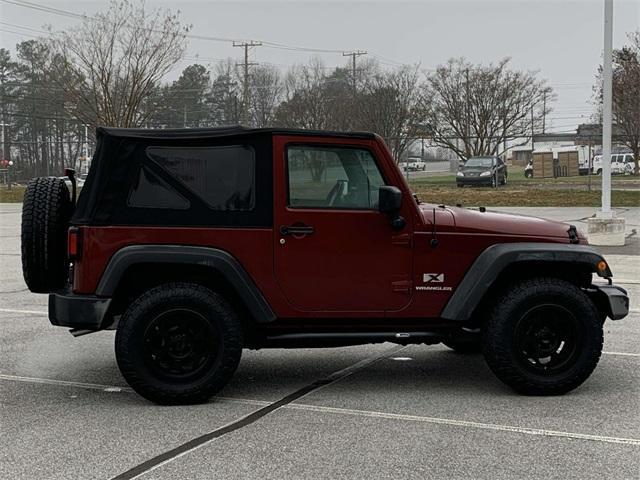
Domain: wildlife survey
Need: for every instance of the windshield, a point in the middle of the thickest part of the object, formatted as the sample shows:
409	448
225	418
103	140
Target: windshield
479	162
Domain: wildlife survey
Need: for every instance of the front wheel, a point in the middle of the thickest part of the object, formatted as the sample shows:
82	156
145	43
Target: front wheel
178	343
543	337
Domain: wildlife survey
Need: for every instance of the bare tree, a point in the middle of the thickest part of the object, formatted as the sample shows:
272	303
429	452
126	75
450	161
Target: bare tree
626	94
389	105
305	104
474	109
265	90
112	61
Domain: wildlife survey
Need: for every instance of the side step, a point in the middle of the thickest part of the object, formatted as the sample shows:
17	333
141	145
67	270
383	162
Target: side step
341	339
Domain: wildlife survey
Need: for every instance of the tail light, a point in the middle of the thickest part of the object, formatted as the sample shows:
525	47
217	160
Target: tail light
74	243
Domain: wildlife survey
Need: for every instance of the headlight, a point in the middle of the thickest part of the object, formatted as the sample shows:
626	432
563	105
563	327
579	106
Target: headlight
485	174
460	174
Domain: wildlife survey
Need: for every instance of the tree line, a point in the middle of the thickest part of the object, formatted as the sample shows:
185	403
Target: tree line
110	70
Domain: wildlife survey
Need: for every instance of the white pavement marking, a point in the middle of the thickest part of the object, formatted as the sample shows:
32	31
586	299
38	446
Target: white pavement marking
464	423
66	383
30	312
624	354
113	388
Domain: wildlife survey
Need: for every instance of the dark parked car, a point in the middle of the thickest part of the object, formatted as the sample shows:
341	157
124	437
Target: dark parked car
482	171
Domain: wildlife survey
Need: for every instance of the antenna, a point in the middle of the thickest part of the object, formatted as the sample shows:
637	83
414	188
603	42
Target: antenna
434	240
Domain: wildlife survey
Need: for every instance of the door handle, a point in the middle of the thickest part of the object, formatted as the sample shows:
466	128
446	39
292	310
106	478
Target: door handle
296	229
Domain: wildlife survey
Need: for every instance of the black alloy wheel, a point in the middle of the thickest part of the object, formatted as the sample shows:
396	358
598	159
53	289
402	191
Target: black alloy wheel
179	344
546	339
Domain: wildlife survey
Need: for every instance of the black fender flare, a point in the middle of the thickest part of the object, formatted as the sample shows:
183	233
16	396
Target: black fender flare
214	258
496	258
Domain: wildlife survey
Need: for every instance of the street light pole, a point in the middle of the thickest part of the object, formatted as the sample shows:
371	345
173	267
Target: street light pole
607	97
605	228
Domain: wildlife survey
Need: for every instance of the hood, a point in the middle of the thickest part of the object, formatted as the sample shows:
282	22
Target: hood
475	221
464	220
475	169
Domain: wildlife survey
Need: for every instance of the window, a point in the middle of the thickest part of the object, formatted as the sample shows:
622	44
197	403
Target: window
480	162
149	191
224	177
332	177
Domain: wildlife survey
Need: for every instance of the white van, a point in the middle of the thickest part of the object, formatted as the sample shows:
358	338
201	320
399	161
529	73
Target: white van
621	164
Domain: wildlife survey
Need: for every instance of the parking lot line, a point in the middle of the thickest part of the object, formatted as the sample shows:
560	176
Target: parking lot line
65	383
624	354
30	312
113	388
465	423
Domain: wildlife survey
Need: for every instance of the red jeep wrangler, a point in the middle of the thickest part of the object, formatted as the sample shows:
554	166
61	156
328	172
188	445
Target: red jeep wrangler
195	244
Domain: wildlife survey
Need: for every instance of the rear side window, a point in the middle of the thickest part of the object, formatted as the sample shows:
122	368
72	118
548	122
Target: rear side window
223	176
150	191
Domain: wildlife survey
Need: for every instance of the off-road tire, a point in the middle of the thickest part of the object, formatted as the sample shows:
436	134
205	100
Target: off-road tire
46	212
499	337
137	366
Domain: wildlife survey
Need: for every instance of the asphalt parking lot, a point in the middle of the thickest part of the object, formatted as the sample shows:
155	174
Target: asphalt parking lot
377	411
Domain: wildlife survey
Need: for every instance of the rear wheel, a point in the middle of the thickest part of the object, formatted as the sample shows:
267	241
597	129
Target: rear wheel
178	343
543	337
46	212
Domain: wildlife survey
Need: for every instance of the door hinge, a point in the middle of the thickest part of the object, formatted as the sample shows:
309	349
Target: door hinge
401	286
402	240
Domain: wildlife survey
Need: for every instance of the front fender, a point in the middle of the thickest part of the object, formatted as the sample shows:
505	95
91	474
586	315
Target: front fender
494	260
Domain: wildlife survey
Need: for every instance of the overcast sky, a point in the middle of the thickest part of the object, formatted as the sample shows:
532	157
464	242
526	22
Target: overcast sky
560	39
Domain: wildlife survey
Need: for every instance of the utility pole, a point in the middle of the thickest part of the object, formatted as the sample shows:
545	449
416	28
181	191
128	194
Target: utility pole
466	113
246	65
544	111
532	145
355	54
3	145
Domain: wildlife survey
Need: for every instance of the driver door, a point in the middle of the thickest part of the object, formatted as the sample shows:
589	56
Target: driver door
334	252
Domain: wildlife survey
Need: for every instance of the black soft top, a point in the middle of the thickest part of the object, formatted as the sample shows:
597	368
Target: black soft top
122	154
233	130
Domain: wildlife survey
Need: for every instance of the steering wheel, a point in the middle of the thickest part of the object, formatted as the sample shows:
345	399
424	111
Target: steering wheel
337	192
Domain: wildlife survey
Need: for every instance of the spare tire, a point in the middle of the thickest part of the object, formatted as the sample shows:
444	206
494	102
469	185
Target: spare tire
46	212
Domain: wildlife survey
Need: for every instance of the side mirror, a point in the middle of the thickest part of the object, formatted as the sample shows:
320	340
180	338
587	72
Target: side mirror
389	199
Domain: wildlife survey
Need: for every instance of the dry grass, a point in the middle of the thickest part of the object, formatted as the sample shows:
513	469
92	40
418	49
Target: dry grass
11	196
517	196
